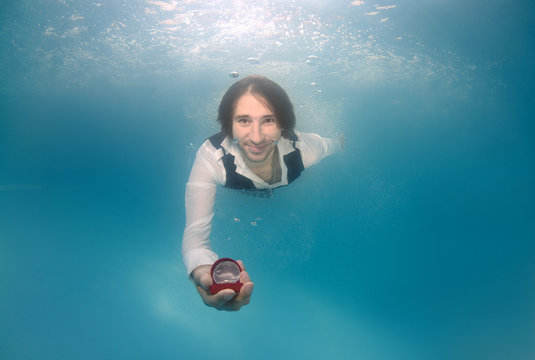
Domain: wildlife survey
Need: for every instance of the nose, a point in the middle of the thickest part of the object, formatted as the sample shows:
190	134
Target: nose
256	133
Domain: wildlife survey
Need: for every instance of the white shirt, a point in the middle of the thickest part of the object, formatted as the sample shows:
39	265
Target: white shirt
208	171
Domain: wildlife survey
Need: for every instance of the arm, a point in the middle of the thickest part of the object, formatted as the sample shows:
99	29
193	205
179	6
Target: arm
314	148
197	255
200	197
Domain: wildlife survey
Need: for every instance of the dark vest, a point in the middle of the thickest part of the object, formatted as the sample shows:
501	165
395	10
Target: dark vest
293	162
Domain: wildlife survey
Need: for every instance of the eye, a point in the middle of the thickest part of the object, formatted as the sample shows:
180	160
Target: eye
242	121
269	120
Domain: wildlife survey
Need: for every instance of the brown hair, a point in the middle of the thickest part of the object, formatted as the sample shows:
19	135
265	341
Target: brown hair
267	90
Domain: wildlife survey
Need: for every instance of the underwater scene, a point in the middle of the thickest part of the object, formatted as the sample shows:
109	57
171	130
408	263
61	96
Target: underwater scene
417	241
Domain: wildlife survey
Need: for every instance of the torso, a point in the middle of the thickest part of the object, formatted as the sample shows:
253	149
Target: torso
289	163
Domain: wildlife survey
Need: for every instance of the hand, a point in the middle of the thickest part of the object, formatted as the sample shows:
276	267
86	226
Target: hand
225	299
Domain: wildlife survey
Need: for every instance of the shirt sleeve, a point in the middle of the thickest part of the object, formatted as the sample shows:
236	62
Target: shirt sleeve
314	147
200	197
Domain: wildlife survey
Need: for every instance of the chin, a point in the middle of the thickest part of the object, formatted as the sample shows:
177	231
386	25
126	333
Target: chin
256	157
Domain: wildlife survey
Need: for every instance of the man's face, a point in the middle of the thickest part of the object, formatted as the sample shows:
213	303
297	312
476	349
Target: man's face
255	127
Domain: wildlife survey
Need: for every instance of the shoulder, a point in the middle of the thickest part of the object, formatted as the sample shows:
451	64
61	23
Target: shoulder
207	167
306	141
216	140
211	148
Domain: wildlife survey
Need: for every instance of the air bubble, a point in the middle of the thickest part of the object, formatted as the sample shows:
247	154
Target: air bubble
312	59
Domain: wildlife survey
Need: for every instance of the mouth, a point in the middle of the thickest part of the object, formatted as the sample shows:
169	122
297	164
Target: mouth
257	149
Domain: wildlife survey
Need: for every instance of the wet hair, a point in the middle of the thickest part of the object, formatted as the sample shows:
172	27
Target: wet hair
268	92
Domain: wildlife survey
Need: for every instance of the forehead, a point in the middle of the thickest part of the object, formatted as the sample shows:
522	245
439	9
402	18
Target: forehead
252	103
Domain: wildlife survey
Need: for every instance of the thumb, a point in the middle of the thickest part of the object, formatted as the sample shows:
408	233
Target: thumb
205	281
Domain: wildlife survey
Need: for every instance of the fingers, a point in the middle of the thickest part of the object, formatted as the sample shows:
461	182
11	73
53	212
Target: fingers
246	291
245	294
244	277
226	299
217	300
205	281
223	298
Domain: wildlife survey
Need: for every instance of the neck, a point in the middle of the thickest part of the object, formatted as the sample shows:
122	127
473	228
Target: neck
264	169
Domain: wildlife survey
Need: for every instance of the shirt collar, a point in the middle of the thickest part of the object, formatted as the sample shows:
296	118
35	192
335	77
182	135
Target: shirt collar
285	147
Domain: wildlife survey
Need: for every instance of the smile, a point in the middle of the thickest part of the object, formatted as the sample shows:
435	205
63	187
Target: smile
257	148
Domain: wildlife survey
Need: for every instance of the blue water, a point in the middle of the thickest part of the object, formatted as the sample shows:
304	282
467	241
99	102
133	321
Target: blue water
416	242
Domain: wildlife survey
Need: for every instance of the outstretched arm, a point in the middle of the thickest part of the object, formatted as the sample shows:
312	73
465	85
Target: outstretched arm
200	197
197	254
314	148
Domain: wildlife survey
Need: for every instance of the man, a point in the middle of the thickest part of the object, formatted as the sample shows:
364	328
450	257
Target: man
257	149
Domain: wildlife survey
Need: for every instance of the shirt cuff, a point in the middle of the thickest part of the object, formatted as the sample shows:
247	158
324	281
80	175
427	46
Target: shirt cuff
198	257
